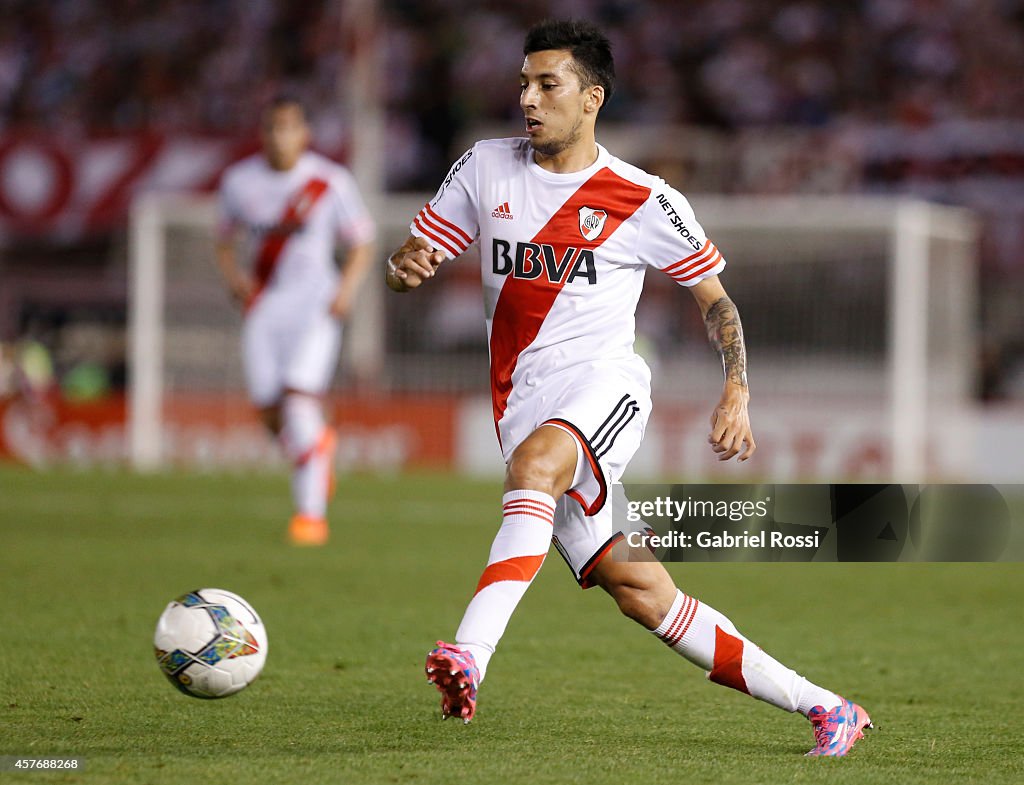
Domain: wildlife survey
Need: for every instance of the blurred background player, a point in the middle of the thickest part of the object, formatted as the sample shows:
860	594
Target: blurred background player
566	232
293	208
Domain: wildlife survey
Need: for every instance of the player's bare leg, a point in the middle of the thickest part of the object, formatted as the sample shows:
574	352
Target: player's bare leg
540	470
645	592
270	416
544	462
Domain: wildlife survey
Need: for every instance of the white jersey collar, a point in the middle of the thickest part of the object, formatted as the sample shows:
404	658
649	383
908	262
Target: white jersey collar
603	157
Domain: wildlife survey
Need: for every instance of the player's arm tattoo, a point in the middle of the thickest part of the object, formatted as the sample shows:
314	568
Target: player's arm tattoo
725	332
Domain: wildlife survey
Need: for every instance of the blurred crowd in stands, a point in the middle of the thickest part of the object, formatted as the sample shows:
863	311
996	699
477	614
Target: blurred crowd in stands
194	65
918	96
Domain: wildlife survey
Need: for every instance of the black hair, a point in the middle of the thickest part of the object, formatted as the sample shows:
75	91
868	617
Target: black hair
590	48
281	100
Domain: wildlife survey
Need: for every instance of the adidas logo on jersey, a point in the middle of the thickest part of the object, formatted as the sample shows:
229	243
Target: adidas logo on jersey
502	211
532	260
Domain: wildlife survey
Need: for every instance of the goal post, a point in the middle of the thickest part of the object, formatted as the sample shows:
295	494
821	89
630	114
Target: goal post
146	270
856	309
926	241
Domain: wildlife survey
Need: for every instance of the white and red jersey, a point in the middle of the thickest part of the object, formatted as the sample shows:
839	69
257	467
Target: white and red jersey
293	221
563	257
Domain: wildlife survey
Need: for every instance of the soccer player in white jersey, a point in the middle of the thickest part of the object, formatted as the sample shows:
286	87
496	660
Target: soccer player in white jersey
566	232
292	208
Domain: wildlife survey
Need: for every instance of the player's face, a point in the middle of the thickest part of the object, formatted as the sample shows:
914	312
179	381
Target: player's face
285	135
554	104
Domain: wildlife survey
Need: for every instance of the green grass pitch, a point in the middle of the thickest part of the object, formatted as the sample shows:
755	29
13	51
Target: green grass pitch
576	694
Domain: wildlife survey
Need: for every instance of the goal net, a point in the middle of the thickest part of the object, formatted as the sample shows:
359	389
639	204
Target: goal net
859	316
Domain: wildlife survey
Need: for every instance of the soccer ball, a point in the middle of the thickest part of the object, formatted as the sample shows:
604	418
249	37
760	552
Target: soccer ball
210	643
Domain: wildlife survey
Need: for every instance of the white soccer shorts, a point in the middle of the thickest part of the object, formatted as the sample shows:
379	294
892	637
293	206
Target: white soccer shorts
606	413
288	349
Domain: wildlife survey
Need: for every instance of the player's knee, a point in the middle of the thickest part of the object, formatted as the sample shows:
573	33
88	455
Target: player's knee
638	603
643	590
534	470
270	416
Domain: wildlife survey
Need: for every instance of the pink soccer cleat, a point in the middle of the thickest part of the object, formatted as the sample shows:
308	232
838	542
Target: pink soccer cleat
836	731
454	673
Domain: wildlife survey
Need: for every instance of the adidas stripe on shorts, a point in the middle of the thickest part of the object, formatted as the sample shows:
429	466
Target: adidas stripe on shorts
606	412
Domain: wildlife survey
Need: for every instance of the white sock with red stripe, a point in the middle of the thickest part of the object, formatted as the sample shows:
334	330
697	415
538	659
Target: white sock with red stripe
707	638
305	438
517	554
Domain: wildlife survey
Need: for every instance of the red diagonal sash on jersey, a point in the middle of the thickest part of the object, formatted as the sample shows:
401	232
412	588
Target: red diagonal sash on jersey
523	304
296	212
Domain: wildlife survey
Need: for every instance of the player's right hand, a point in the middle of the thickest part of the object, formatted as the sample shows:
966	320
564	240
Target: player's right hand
415	262
242	287
730	425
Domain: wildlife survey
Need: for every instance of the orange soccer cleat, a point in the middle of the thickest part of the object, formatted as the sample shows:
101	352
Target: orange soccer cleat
307	530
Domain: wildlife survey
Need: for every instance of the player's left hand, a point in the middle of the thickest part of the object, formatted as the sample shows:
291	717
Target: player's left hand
730	425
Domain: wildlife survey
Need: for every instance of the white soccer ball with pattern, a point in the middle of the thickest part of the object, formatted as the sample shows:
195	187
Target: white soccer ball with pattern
210	643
